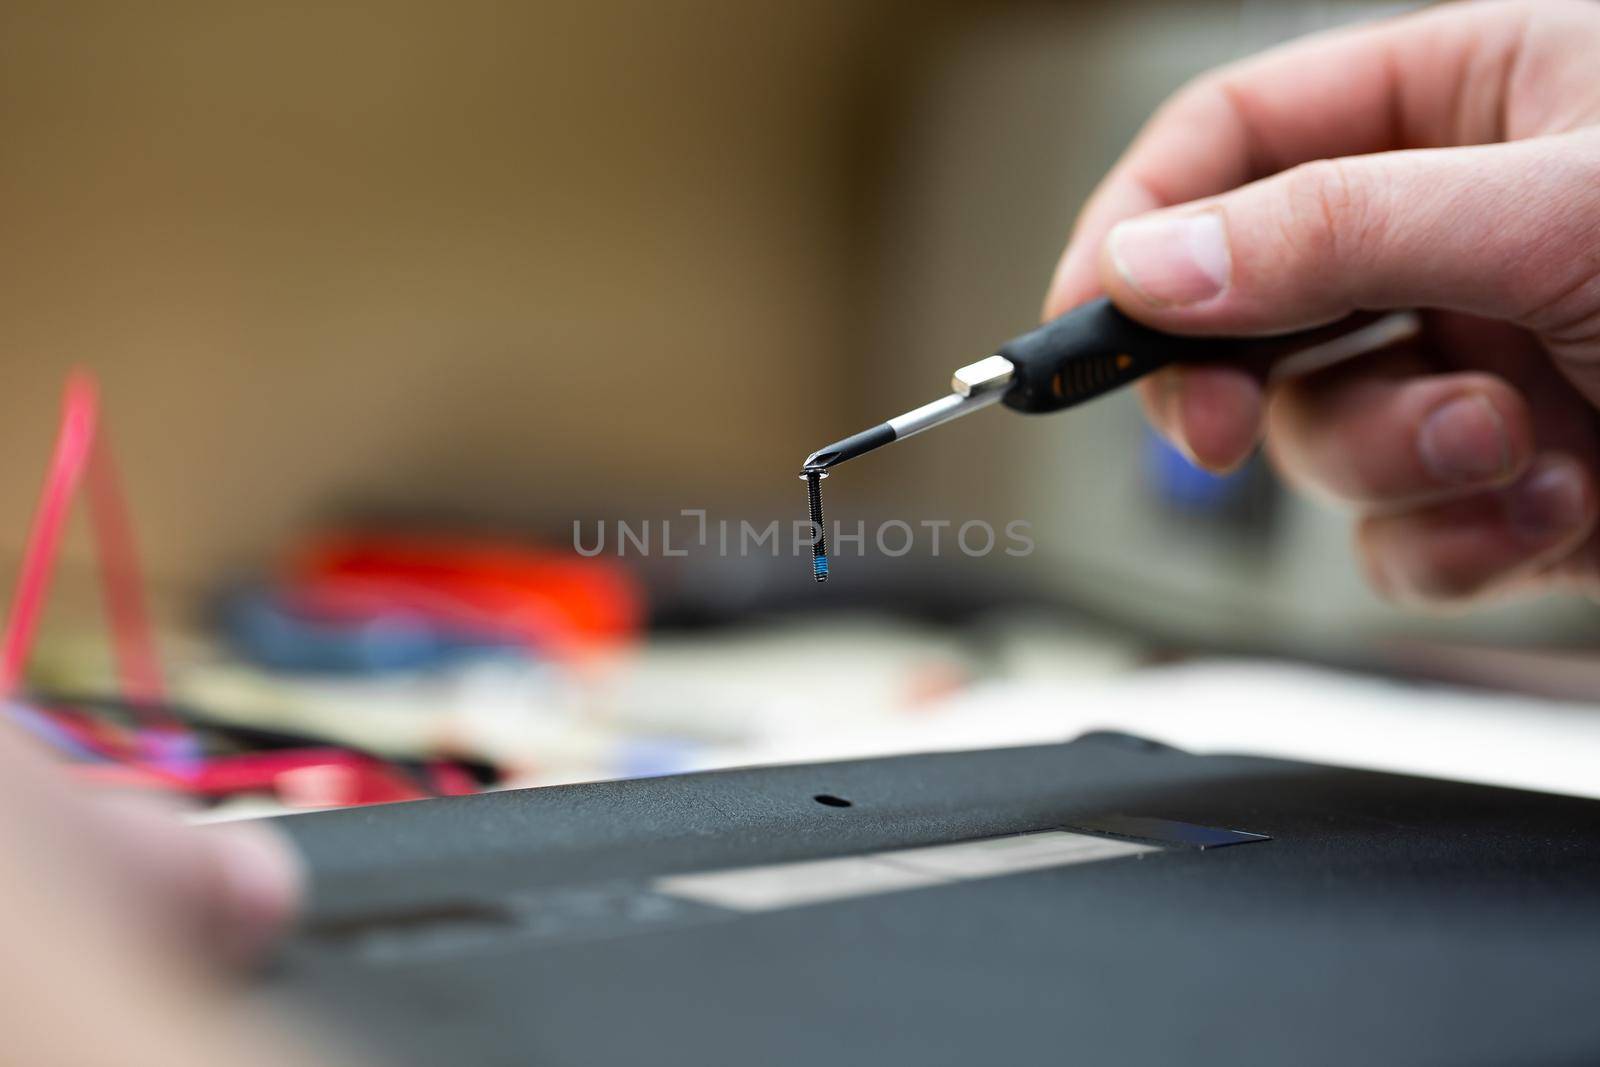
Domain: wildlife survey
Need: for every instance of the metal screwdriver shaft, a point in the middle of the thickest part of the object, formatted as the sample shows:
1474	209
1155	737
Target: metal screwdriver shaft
819	546
1092	350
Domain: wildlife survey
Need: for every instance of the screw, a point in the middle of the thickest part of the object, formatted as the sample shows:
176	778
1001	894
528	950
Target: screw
819	545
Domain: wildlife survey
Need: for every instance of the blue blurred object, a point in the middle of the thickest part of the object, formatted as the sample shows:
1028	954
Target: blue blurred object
267	631
50	732
175	750
651	757
1176	481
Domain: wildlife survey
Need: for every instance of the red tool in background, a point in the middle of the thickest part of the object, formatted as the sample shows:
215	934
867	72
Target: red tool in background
550	603
140	739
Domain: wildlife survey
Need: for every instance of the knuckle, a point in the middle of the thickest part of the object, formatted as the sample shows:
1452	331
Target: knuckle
1207	91
1189	96
1325	207
1578	340
1556	291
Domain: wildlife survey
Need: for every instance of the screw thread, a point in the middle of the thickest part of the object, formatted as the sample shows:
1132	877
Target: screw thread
819	546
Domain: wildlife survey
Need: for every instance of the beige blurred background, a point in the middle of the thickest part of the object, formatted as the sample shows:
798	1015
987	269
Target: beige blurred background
544	261
523	257
526	263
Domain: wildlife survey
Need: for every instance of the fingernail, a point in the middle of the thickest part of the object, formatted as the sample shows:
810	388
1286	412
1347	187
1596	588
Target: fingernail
1464	441
1173	260
263	881
1549	503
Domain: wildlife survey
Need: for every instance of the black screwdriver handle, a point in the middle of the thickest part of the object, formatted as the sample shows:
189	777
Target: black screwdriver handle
1094	349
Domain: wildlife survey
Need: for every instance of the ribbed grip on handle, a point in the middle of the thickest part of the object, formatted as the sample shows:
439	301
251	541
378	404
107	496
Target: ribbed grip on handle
1089	351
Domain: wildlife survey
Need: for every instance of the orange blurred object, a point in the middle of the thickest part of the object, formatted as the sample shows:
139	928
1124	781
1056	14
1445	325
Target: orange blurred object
553	602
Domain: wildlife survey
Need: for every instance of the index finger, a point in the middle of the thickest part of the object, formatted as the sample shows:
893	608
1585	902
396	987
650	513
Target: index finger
1339	93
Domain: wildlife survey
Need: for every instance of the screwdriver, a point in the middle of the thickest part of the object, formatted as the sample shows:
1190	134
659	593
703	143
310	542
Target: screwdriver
1086	353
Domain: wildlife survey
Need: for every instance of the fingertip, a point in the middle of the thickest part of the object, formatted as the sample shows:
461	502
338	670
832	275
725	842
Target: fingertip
1447	554
1553	504
1167	261
1479	433
1218	413
261	884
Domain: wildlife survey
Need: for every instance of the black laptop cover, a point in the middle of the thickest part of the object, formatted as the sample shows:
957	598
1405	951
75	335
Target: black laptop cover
1357	918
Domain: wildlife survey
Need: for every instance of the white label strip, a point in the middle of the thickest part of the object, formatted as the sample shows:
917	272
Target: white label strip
789	885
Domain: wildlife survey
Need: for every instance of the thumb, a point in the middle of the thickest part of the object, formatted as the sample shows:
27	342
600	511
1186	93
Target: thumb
1502	231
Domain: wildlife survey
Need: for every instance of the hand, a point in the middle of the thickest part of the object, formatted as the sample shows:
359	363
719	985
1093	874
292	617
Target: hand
1447	160
220	894
114	917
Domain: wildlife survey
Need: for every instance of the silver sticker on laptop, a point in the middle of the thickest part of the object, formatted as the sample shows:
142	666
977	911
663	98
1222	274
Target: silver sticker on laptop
789	885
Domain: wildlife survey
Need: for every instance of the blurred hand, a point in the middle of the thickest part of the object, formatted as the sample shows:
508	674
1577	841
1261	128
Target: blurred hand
1447	160
221	893
114	917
